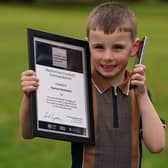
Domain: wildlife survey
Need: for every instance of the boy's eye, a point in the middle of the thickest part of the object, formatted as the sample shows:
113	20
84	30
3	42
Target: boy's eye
118	46
98	46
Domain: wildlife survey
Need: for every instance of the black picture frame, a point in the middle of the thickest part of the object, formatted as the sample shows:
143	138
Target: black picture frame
55	55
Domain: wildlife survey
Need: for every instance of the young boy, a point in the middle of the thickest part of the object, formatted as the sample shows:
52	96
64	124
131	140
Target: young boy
121	114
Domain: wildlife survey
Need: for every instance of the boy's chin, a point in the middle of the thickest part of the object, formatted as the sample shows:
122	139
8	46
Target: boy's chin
105	75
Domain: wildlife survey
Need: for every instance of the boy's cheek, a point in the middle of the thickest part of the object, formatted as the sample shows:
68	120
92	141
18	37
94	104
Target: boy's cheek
123	60
92	58
93	62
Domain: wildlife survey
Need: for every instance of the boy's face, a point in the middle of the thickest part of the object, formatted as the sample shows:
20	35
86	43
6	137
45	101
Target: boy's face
110	52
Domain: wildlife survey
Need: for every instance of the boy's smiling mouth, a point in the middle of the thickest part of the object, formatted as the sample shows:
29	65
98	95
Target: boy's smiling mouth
107	67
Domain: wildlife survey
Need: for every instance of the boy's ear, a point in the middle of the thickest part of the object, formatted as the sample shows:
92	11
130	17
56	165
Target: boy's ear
135	47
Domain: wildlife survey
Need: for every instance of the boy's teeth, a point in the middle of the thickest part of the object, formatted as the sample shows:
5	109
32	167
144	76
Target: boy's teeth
108	65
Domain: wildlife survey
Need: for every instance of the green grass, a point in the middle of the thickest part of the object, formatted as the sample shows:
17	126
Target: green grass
14	19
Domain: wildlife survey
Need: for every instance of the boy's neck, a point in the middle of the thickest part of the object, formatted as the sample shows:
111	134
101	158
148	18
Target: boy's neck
115	82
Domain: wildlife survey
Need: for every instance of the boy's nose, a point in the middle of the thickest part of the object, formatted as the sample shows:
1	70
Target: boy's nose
108	55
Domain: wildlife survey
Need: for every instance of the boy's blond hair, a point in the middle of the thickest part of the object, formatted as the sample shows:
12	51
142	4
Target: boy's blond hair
111	16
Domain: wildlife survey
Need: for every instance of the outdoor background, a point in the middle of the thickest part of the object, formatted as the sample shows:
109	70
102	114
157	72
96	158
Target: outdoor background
68	19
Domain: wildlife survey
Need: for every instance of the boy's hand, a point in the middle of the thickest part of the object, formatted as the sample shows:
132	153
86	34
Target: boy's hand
29	82
138	78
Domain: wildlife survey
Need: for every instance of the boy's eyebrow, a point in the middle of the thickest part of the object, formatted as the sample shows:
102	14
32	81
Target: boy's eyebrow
96	43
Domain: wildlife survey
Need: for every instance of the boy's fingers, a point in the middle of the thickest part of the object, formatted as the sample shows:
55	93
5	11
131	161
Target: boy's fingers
29	78
137	83
138	76
139	71
29	83
28	72
29	75
139	68
139	65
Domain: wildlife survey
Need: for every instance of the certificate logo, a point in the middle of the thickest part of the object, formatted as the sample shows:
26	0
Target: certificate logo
59	57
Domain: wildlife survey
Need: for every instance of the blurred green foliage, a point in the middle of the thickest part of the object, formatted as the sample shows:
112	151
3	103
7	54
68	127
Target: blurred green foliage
79	1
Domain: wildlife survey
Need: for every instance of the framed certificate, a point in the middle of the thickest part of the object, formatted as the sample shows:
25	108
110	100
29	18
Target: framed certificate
62	105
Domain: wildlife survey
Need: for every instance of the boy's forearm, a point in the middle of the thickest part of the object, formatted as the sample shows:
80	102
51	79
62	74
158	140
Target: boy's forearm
153	131
25	118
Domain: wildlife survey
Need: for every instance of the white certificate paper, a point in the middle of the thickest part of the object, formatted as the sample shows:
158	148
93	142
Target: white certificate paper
61	100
